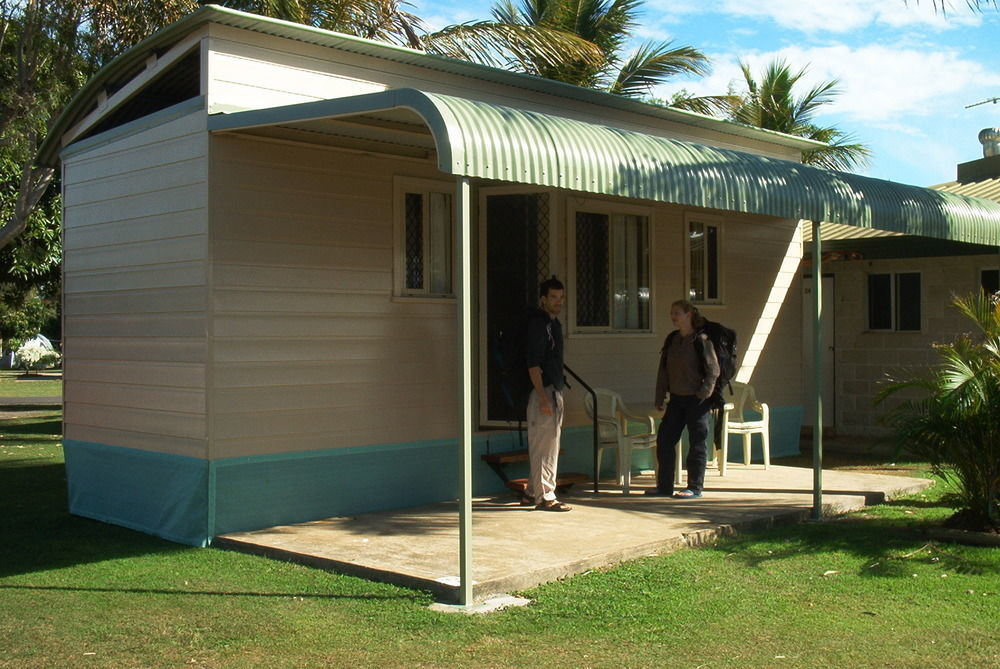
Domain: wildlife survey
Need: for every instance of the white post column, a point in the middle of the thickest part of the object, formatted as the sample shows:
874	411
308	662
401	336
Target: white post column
463	206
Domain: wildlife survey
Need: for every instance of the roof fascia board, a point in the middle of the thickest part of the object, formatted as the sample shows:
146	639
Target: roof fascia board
242	20
154	67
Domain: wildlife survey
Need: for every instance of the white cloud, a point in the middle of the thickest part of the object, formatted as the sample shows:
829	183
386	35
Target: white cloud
878	84
831	16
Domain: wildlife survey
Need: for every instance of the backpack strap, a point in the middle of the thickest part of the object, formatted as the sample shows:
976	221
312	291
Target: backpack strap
666	342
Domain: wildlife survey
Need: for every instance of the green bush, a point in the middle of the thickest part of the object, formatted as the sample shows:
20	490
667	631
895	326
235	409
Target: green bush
954	423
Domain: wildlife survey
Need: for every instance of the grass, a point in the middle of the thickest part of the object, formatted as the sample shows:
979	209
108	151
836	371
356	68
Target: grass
866	590
14	383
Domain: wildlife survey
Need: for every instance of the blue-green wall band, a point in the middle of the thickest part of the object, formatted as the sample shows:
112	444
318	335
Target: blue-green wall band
189	501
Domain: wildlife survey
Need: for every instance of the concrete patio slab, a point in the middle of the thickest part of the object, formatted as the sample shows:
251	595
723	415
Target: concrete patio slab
515	547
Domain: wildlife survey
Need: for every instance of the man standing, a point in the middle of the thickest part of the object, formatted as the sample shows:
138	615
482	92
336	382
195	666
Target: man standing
544	356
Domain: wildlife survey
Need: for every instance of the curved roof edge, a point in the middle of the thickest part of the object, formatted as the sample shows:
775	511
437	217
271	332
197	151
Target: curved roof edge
483	140
48	153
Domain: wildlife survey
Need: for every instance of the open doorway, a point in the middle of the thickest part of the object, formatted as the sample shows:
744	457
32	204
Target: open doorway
516	257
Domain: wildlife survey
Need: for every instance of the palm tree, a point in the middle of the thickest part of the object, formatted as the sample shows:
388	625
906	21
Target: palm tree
607	24
955	423
772	103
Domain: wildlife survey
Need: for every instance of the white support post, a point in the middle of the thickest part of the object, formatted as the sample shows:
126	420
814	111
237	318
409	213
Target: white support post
463	202
817	316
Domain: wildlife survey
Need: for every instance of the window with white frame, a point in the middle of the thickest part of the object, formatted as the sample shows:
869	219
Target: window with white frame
612	270
424	249
989	279
894	301
704	246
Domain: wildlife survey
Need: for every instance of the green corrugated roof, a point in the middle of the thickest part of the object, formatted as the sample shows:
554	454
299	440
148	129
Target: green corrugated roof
488	141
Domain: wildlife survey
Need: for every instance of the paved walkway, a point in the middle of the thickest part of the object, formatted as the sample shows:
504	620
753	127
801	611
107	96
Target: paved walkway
31	401
516	547
27	407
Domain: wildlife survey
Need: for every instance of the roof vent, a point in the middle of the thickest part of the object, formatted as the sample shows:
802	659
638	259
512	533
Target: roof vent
990	139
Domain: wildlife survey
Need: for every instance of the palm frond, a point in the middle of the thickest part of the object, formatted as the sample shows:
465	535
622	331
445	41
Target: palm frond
720	106
499	44
653	63
841	153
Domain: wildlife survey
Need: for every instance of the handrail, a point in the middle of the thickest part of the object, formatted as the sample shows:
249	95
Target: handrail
593	394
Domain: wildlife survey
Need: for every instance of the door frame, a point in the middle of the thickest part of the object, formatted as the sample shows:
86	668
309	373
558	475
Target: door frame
556	266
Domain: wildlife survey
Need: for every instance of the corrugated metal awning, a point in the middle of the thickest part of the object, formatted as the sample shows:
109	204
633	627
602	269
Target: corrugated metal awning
488	141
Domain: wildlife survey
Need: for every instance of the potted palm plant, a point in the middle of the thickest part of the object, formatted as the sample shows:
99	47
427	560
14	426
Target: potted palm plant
951	416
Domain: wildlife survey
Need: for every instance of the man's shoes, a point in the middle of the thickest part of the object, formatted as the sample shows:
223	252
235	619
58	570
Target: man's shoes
552	505
656	492
687	494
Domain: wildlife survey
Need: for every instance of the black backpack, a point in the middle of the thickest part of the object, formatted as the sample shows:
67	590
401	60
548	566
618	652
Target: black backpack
723	340
511	363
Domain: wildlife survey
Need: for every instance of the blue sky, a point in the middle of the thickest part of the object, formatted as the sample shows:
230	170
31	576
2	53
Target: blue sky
906	72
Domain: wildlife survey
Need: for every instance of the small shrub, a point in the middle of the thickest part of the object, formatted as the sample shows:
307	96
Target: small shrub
35	354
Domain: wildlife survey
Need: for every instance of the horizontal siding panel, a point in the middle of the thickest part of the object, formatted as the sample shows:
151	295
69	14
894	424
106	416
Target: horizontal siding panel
321	301
239	97
163	423
154	146
429	391
287	202
323	252
155	443
348	175
173	400
333	421
141	254
139	205
139	178
331	325
233	70
396	349
136	230
178	375
170	276
150	325
275	375
164	301
278	277
329	225
132	349
388	433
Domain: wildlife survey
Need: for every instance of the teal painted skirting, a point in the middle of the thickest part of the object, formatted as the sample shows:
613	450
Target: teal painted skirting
189	501
160	494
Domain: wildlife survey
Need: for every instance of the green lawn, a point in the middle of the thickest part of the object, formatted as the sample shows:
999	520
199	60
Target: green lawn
14	383
867	590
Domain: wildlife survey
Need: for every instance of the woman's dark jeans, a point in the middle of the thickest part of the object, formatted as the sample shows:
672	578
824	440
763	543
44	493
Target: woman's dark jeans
690	412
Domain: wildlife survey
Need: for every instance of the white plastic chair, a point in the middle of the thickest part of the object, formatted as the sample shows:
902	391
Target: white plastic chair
613	431
734	422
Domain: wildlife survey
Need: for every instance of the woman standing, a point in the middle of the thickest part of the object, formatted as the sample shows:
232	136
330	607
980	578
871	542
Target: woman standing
686	377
